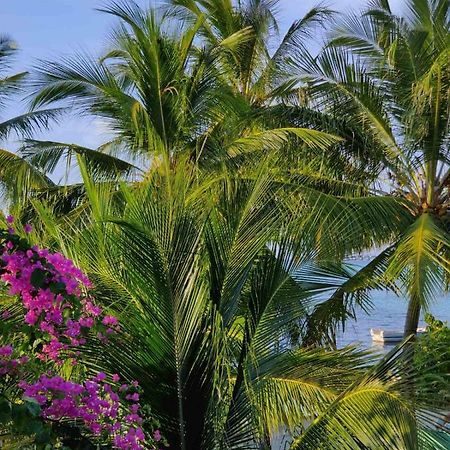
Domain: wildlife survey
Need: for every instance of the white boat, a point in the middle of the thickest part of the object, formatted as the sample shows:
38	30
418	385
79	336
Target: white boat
389	336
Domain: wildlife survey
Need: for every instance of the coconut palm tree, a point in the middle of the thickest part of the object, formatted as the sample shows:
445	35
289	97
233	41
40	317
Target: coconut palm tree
171	86
210	275
260	73
153	89
214	272
207	109
390	75
257	69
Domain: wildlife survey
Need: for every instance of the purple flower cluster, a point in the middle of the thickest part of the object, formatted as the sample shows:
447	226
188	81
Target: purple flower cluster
58	311
8	364
52	292
96	403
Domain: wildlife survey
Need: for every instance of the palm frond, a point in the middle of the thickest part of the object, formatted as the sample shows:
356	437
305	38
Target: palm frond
48	155
18	177
276	138
418	259
379	409
29	123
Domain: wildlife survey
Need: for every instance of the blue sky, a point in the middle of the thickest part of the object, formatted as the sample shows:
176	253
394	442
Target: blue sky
50	28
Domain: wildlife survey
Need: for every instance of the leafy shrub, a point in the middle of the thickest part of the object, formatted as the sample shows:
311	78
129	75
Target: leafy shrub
432	357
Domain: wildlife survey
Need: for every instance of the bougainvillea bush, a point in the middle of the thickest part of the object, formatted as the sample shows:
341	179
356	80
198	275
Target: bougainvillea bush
45	396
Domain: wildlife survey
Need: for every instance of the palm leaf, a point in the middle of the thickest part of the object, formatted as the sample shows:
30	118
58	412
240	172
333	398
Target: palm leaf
18	177
47	155
377	410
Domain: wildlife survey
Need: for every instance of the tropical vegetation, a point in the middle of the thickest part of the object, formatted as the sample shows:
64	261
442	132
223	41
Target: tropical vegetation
433	354
391	76
213	227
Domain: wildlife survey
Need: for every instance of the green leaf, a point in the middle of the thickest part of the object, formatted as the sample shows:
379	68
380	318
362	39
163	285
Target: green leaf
43	434
58	287
5	412
35	427
33	407
38	277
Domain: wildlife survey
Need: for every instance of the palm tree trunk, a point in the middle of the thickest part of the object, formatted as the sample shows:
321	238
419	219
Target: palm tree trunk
412	316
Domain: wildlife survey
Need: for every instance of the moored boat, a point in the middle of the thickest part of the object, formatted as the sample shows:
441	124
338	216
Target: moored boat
389	336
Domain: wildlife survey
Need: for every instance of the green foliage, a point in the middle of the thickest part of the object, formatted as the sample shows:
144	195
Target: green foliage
254	181
382	394
209	276
389	76
21	426
187	84
432	357
17	177
181	84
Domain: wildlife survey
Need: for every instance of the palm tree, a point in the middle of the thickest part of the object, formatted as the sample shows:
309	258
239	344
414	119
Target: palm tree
211	89
259	73
153	89
214	272
16	176
390	76
257	69
207	109
210	275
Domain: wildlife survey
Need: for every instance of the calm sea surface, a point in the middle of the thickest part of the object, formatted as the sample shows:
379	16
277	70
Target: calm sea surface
389	313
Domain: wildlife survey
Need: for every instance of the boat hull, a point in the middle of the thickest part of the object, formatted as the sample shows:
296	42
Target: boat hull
389	336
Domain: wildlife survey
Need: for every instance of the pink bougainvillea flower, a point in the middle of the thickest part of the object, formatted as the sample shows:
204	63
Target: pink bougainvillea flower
90	308
87	322
115	378
110	321
51	289
157	436
94	403
10	365
6	350
58	313
133	397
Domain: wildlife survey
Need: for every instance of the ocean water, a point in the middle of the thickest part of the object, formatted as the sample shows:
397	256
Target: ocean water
389	312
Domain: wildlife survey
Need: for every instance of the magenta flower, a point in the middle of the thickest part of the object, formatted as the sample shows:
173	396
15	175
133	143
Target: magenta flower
6	350
52	305
93	403
51	290
31	317
87	322
110	321
101	376
157	436
73	328
9	365
133	397
90	308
